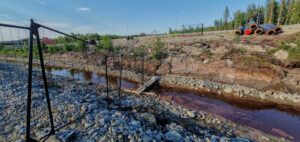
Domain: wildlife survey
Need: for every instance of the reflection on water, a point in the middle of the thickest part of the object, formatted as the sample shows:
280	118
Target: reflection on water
262	116
267	117
90	76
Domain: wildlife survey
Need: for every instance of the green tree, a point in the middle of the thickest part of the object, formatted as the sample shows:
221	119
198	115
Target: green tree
221	24
268	11
226	16
290	12
297	12
81	46
170	31
250	15
282	13
239	19
260	15
1	46
107	44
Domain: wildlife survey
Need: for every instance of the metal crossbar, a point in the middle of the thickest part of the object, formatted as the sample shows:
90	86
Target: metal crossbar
34	32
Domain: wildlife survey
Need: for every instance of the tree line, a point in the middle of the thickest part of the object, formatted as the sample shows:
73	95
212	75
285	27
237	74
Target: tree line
278	12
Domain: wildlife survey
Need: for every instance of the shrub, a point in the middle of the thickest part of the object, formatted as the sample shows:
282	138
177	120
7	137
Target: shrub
81	46
1	46
206	51
139	51
237	39
107	44
158	54
159	51
237	50
67	47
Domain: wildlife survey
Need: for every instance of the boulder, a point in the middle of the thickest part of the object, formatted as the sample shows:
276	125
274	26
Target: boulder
281	54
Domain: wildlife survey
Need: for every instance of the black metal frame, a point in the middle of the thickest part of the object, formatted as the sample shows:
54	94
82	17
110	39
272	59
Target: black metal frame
33	31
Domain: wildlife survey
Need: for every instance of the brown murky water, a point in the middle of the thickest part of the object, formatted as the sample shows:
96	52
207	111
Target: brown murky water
267	117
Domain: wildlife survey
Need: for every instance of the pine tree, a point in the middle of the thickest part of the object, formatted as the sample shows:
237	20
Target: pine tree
226	16
290	13
273	6
260	15
251	13
297	12
216	25
267	11
239	19
170	31
281	12
221	24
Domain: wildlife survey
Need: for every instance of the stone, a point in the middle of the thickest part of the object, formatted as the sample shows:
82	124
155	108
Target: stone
262	95
135	124
91	131
66	136
229	63
191	114
292	44
281	54
52	139
173	135
40	134
149	117
227	90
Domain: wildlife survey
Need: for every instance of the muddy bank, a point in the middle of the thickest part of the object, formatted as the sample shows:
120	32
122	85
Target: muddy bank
235	90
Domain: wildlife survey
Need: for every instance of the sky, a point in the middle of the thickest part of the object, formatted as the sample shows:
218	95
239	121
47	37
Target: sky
123	17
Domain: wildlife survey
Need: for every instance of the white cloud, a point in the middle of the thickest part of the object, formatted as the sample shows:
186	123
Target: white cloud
5	16
83	9
41	2
84	29
57	25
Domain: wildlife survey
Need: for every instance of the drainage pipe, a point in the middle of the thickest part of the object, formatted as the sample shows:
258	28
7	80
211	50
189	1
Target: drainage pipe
267	30
276	28
252	25
239	31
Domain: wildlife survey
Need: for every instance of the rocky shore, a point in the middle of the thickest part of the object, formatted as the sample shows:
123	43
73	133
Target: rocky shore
131	118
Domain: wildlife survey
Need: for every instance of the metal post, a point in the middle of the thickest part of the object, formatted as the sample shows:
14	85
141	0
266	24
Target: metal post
106	78
52	131
28	139
120	81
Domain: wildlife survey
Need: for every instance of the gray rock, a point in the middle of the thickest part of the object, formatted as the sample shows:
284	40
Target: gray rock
66	136
52	139
173	135
135	124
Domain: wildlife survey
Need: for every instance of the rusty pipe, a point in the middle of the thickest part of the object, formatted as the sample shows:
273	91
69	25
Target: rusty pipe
267	30
252	25
276	28
239	31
